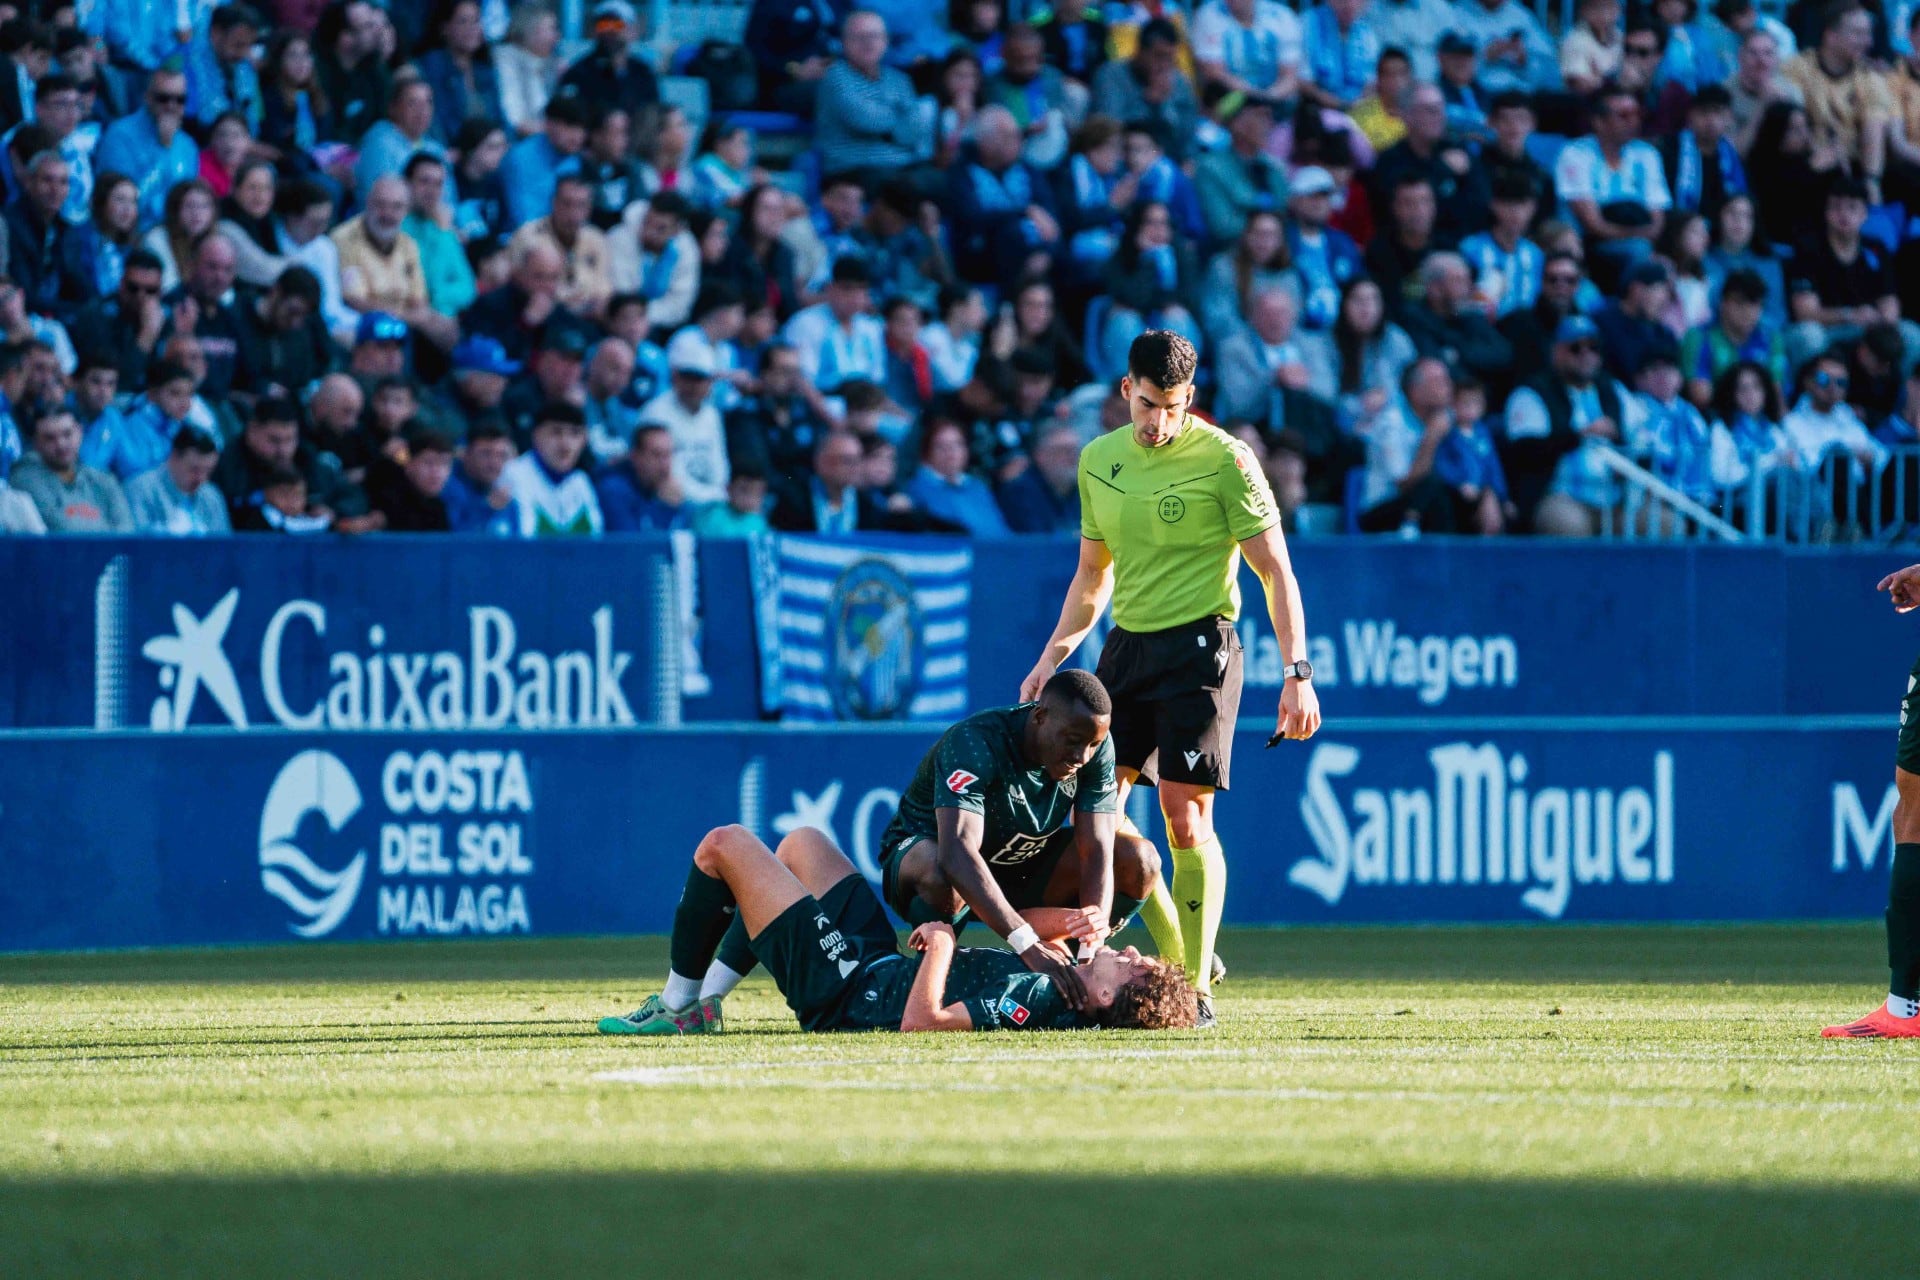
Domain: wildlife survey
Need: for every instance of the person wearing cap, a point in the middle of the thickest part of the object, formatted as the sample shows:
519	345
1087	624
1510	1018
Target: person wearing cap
552	492
840	338
1467	103
533	164
178	498
220	72
481	371
379	348
1342	51
685	409
1556	425
1241	178
611	76
567	229
866	116
1633	325
1325	257
443	260
1249	46
1429	152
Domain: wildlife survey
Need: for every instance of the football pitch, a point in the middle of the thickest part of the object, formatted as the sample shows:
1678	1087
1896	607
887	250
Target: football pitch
1419	1102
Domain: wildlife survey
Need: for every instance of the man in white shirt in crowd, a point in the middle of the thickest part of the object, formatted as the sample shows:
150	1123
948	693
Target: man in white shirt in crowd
686	410
1614	183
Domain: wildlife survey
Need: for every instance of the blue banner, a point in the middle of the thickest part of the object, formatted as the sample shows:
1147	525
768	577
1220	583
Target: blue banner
132	839
869	628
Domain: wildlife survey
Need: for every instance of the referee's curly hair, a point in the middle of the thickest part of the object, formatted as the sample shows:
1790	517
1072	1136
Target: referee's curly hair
1162	357
1078	689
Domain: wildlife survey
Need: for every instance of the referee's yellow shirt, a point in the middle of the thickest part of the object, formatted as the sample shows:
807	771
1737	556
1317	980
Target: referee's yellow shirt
1173	519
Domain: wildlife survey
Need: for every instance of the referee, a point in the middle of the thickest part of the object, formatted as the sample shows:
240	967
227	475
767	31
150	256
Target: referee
1166	511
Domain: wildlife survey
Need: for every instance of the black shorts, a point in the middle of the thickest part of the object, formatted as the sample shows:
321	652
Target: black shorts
816	948
1024	883
1176	695
1907	754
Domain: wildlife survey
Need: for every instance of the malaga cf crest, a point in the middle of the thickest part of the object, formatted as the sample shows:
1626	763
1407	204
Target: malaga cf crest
875	628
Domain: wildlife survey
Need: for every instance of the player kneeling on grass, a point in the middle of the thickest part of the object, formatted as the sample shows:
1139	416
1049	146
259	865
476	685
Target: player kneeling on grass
823	935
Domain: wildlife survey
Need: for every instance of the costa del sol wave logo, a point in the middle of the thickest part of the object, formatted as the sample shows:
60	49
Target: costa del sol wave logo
311	782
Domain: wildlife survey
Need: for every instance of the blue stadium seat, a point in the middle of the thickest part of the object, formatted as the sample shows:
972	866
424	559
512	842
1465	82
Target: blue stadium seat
1886	225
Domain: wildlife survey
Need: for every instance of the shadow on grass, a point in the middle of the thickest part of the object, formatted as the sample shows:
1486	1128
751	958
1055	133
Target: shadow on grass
1565	954
880	1223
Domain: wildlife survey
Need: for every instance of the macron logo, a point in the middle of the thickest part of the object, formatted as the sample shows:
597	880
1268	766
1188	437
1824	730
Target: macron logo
192	659
1193	758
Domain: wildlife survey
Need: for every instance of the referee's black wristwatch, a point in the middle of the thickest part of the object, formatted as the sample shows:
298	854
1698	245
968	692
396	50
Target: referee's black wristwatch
1301	670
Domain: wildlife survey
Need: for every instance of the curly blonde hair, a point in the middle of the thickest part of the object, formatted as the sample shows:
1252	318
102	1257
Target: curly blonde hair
1160	1000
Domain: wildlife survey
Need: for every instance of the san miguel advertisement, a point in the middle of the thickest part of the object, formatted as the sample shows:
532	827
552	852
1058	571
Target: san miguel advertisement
129	839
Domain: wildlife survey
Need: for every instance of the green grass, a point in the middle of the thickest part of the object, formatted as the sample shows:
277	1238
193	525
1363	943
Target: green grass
1420	1102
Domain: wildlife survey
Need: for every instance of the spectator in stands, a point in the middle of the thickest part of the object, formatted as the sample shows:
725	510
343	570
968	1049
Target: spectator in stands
1045	498
334	411
306	216
1633	325
1590	54
461	72
1002	216
777	428
1505	157
945	485
1847	99
1445	163
1257	362
246	216
1516	56
70	496
351	41
527	67
828	499
1250	46
480	196
1674	441
476	499
666	156
1702	165
1875	365
952	342
840	338
1259	262
203	307
521	313
612	410
612	75
654	253
1241	179
551	491
48	259
553	374
1736	336
1746	414
640	493
1467	461
133	442
178	497
533	164
149	146
685	409
115	219
724	170
1381	115
1756	84
1008	419
57	110
587	283
1448	324
865	117
95	395
1325	258
743	514
429	222
127	326
407	489
1397	252
1036	94
287	343
1615	184
1822	424
295	113
1356	364
1341	53
380	267
759	262
1789	175
1151	284
1151	87
1506	265
1556	424
407	131
1733	252
271	446
1840	282
1400	489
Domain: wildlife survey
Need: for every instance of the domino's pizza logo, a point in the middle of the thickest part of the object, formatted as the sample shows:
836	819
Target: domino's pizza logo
959	780
1014	1011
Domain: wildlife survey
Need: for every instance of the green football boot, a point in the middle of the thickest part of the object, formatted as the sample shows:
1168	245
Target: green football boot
654	1019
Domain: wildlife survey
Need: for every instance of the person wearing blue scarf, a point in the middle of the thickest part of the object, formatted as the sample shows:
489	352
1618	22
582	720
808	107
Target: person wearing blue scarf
1002	211
1702	165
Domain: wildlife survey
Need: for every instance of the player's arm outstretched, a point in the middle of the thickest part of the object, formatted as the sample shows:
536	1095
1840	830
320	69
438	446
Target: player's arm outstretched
966	870
1904	586
1266	554
924	1012
1086	597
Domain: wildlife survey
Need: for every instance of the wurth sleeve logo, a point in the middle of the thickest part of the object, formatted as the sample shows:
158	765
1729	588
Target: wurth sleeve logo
959	780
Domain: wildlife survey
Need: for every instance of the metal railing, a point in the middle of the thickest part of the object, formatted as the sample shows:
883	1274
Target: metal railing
1843	499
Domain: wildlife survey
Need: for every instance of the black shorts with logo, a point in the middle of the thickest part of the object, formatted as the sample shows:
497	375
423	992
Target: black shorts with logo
1024	883
817	947
1176	696
1907	754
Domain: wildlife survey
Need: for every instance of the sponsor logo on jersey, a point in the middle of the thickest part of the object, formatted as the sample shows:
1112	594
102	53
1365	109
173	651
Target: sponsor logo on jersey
959	780
1014	1011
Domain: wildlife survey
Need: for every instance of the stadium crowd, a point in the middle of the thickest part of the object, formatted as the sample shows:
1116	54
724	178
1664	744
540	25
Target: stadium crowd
334	266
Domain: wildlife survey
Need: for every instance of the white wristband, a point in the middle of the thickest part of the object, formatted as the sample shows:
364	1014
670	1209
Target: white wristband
1022	938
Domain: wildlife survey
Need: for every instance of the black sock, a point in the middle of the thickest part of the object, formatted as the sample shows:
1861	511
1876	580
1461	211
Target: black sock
706	907
1123	909
735	951
1903	922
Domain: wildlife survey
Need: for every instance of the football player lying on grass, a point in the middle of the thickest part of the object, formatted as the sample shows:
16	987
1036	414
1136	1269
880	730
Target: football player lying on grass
823	935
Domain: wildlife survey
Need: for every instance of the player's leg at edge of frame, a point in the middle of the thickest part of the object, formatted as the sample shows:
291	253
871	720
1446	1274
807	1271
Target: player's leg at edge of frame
1899	1017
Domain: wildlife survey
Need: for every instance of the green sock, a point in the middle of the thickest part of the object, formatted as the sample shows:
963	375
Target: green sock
1903	921
1163	922
1200	890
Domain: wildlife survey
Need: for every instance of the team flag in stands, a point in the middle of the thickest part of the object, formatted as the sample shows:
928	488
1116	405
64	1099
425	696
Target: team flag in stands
862	628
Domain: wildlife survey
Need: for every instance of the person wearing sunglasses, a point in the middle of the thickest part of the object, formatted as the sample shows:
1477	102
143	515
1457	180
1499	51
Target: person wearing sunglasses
1557	426
127	324
1823	423
150	146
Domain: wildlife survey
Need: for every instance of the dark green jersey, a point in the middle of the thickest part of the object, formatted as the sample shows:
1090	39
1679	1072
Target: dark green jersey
998	990
977	766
